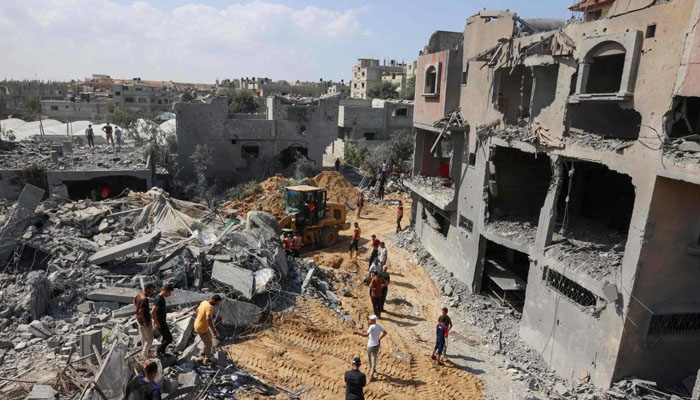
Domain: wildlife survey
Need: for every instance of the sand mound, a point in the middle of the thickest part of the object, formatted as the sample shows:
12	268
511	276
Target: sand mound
338	188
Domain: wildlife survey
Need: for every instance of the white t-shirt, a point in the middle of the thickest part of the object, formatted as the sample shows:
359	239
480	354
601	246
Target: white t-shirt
382	255
374	268
374	331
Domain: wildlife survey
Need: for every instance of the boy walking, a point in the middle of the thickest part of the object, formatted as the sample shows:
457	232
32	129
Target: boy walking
441	332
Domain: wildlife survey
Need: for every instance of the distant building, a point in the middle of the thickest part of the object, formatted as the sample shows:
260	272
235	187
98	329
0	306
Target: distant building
71	110
367	73
16	92
251	146
136	95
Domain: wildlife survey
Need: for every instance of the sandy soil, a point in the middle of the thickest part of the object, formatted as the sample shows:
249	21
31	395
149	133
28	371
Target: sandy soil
310	347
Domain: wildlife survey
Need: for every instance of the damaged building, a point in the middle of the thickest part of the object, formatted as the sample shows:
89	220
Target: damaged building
252	146
558	164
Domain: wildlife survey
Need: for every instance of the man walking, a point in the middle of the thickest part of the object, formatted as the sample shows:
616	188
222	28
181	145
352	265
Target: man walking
143	318
399	216
355	244
90	134
385	290
376	285
375	334
337	164
204	325
144	387
360	204
383	254
355	381
375	249
159	314
107	129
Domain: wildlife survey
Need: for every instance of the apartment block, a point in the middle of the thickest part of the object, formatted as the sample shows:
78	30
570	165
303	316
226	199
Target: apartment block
368	73
556	169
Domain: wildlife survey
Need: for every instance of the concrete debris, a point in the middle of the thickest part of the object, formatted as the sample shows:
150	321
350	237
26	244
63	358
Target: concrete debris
19	220
146	242
239	279
237	314
114	294
42	392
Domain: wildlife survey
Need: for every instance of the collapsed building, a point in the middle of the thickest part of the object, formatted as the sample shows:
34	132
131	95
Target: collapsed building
251	146
556	168
369	122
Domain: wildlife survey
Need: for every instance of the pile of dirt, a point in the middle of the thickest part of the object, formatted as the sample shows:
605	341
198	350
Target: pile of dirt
270	200
338	188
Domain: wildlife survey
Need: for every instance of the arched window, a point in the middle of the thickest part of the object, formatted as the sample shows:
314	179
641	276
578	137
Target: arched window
431	80
607	63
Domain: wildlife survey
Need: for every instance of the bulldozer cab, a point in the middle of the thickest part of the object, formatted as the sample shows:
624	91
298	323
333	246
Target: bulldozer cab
307	203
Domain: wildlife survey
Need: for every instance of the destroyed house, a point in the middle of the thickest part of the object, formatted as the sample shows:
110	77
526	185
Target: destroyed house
252	146
556	169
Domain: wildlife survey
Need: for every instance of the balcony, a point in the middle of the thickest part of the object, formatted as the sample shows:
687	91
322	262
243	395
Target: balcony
437	190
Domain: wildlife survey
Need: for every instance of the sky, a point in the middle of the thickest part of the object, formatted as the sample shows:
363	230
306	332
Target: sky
205	40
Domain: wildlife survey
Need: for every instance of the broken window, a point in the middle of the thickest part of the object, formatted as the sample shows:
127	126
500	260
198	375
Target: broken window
369	135
674	323
651	31
595	204
401	112
505	273
465	74
545	87
593	15
518	185
54	108
250	151
436	219
514	90
570	289
617	122
430	80
607	62
684	118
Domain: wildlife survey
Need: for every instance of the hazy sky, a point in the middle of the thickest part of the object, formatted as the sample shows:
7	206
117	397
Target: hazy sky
202	40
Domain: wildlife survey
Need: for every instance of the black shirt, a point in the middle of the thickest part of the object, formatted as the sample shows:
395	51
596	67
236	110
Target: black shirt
160	313
107	129
355	381
448	321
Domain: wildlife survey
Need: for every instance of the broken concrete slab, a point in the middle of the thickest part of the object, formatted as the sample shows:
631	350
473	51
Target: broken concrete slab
179	298
238	314
42	392
262	278
113	294
89	339
113	374
27	203
280	261
189	379
185	326
307	279
144	242
37	329
239	279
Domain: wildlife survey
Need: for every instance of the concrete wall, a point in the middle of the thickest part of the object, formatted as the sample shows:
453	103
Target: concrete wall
74	111
431	107
382	121
609	340
313	127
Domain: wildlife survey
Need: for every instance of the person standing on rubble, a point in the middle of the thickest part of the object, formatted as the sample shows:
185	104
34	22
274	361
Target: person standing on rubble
144	387
297	243
90	134
143	318
380	191
375	334
204	325
159	313
355	381
107	129
355	243
360	204
118	136
399	216
376	286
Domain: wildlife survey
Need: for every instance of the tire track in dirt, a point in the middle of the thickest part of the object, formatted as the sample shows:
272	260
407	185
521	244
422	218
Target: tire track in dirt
311	346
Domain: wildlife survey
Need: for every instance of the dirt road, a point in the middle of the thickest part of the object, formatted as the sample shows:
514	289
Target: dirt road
310	347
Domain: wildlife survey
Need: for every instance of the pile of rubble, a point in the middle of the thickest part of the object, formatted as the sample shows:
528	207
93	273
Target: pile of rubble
501	325
69	271
439	188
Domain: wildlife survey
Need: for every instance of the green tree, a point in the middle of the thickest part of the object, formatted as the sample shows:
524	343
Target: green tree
242	101
409	92
384	90
29	110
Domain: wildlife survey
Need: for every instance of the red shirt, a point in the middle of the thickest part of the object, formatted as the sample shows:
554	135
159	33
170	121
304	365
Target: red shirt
376	242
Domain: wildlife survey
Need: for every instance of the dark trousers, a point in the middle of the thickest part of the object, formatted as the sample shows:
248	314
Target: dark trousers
165	338
354	245
91	140
375	254
398	223
381	192
384	292
377	305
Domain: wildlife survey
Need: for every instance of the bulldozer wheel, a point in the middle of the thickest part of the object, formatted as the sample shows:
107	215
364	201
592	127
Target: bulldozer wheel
329	236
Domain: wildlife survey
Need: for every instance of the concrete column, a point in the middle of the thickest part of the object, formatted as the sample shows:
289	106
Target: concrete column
548	213
87	340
